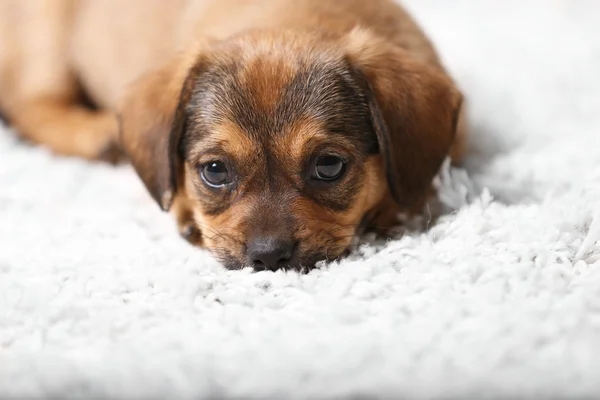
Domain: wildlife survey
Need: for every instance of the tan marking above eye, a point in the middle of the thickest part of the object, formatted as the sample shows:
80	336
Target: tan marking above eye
305	136
302	137
229	139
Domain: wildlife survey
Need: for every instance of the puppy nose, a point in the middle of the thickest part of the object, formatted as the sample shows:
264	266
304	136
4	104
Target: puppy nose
270	253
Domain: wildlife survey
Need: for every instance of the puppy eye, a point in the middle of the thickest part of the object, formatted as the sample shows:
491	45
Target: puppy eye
328	168
215	173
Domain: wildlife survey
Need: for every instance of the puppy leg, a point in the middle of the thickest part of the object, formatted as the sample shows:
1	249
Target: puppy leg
40	95
459	147
388	219
69	129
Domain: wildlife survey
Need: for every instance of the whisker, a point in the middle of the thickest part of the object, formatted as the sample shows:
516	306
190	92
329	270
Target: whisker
217	233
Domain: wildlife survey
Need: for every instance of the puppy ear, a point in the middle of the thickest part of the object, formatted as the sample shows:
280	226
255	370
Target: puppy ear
152	121
414	110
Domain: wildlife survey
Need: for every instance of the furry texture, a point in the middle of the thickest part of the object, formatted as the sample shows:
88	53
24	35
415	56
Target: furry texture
99	297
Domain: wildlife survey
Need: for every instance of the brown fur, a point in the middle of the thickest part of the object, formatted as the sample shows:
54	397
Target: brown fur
265	86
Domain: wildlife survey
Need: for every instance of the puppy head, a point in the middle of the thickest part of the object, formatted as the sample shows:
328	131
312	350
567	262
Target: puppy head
282	144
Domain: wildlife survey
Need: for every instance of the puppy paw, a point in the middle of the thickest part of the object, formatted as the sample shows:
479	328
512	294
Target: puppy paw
191	233
112	153
188	229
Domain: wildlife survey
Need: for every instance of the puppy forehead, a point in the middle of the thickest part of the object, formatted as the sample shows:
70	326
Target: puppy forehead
265	80
275	101
266	93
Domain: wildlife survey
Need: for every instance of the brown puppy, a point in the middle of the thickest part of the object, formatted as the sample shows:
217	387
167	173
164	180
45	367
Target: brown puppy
274	129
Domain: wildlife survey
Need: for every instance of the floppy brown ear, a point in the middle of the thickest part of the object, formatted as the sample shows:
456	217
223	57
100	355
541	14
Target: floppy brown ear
414	110
152	120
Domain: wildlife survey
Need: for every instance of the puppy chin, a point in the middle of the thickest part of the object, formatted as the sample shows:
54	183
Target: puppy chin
302	264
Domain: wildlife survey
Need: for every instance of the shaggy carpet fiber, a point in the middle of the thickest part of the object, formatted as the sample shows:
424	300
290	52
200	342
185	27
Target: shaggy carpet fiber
500	297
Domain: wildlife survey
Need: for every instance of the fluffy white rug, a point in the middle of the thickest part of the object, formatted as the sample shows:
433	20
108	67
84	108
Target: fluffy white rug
99	298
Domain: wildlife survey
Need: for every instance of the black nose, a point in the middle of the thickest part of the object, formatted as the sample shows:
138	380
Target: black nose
270	253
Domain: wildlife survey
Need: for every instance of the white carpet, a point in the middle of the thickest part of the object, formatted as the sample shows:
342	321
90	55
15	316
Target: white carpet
99	298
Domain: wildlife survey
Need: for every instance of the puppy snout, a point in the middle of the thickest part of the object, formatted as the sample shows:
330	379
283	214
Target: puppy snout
270	253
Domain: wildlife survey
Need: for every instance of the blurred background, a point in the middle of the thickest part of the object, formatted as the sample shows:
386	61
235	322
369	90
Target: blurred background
530	72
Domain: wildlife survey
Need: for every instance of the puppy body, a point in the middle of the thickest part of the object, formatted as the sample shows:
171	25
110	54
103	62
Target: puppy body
54	49
177	72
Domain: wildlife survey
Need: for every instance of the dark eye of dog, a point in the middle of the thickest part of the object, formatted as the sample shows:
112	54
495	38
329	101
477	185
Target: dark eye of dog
328	168
215	173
